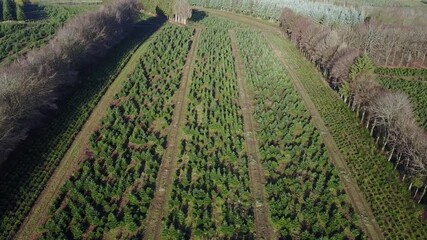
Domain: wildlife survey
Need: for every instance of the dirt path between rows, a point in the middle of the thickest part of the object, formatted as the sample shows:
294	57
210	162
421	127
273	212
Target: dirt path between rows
357	199
355	195
158	207
70	162
263	226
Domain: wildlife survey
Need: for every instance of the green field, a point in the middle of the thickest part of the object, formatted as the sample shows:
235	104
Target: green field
168	150
18	38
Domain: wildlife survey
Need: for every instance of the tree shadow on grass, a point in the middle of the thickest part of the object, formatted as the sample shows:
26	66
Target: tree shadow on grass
198	16
29	167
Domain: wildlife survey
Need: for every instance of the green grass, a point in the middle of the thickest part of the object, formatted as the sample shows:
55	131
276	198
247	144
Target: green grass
306	197
397	214
210	196
111	191
24	176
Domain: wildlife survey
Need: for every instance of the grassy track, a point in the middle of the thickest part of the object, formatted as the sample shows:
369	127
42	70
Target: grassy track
356	197
394	210
70	162
167	169
263	225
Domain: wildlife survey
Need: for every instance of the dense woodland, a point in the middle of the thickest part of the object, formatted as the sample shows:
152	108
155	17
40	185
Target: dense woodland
325	13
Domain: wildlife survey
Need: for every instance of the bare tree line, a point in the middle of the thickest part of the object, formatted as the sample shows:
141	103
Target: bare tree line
32	84
390	44
390	118
388	115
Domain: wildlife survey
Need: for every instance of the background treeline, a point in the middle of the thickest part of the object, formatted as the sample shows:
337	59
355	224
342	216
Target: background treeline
12	10
324	13
176	10
19	38
389	115
30	86
389	44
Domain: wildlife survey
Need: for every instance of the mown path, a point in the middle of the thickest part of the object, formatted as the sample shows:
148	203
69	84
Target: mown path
263	225
356	197
165	177
70	162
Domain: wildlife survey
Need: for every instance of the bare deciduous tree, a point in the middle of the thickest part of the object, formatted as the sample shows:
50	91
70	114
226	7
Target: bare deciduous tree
182	11
33	83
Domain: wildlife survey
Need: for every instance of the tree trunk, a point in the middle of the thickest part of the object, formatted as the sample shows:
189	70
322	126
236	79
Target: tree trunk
424	57
410	186
391	154
385	142
394	56
422	195
398	161
416	192
363	116
373	127
358	110
368	121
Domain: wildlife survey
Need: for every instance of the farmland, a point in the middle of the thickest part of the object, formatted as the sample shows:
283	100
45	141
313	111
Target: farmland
207	124
416	89
387	195
411	81
121	174
18	38
292	153
212	178
39	155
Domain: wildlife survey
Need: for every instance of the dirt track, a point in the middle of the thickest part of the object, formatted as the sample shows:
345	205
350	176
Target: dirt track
69	163
358	201
263	225
158	206
356	197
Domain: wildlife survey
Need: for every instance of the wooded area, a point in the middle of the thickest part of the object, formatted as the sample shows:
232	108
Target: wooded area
389	115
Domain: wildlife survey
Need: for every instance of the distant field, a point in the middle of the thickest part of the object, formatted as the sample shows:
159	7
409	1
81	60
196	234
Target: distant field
218	129
383	3
17	38
68	1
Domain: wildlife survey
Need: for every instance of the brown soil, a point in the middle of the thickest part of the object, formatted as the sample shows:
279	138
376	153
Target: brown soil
263	225
165	177
356	197
77	152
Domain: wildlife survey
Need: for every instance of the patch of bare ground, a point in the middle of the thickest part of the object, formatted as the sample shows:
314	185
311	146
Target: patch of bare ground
263	225
165	177
76	153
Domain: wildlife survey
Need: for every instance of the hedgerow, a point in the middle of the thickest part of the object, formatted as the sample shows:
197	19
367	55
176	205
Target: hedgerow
22	180
325	13
398	216
416	89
